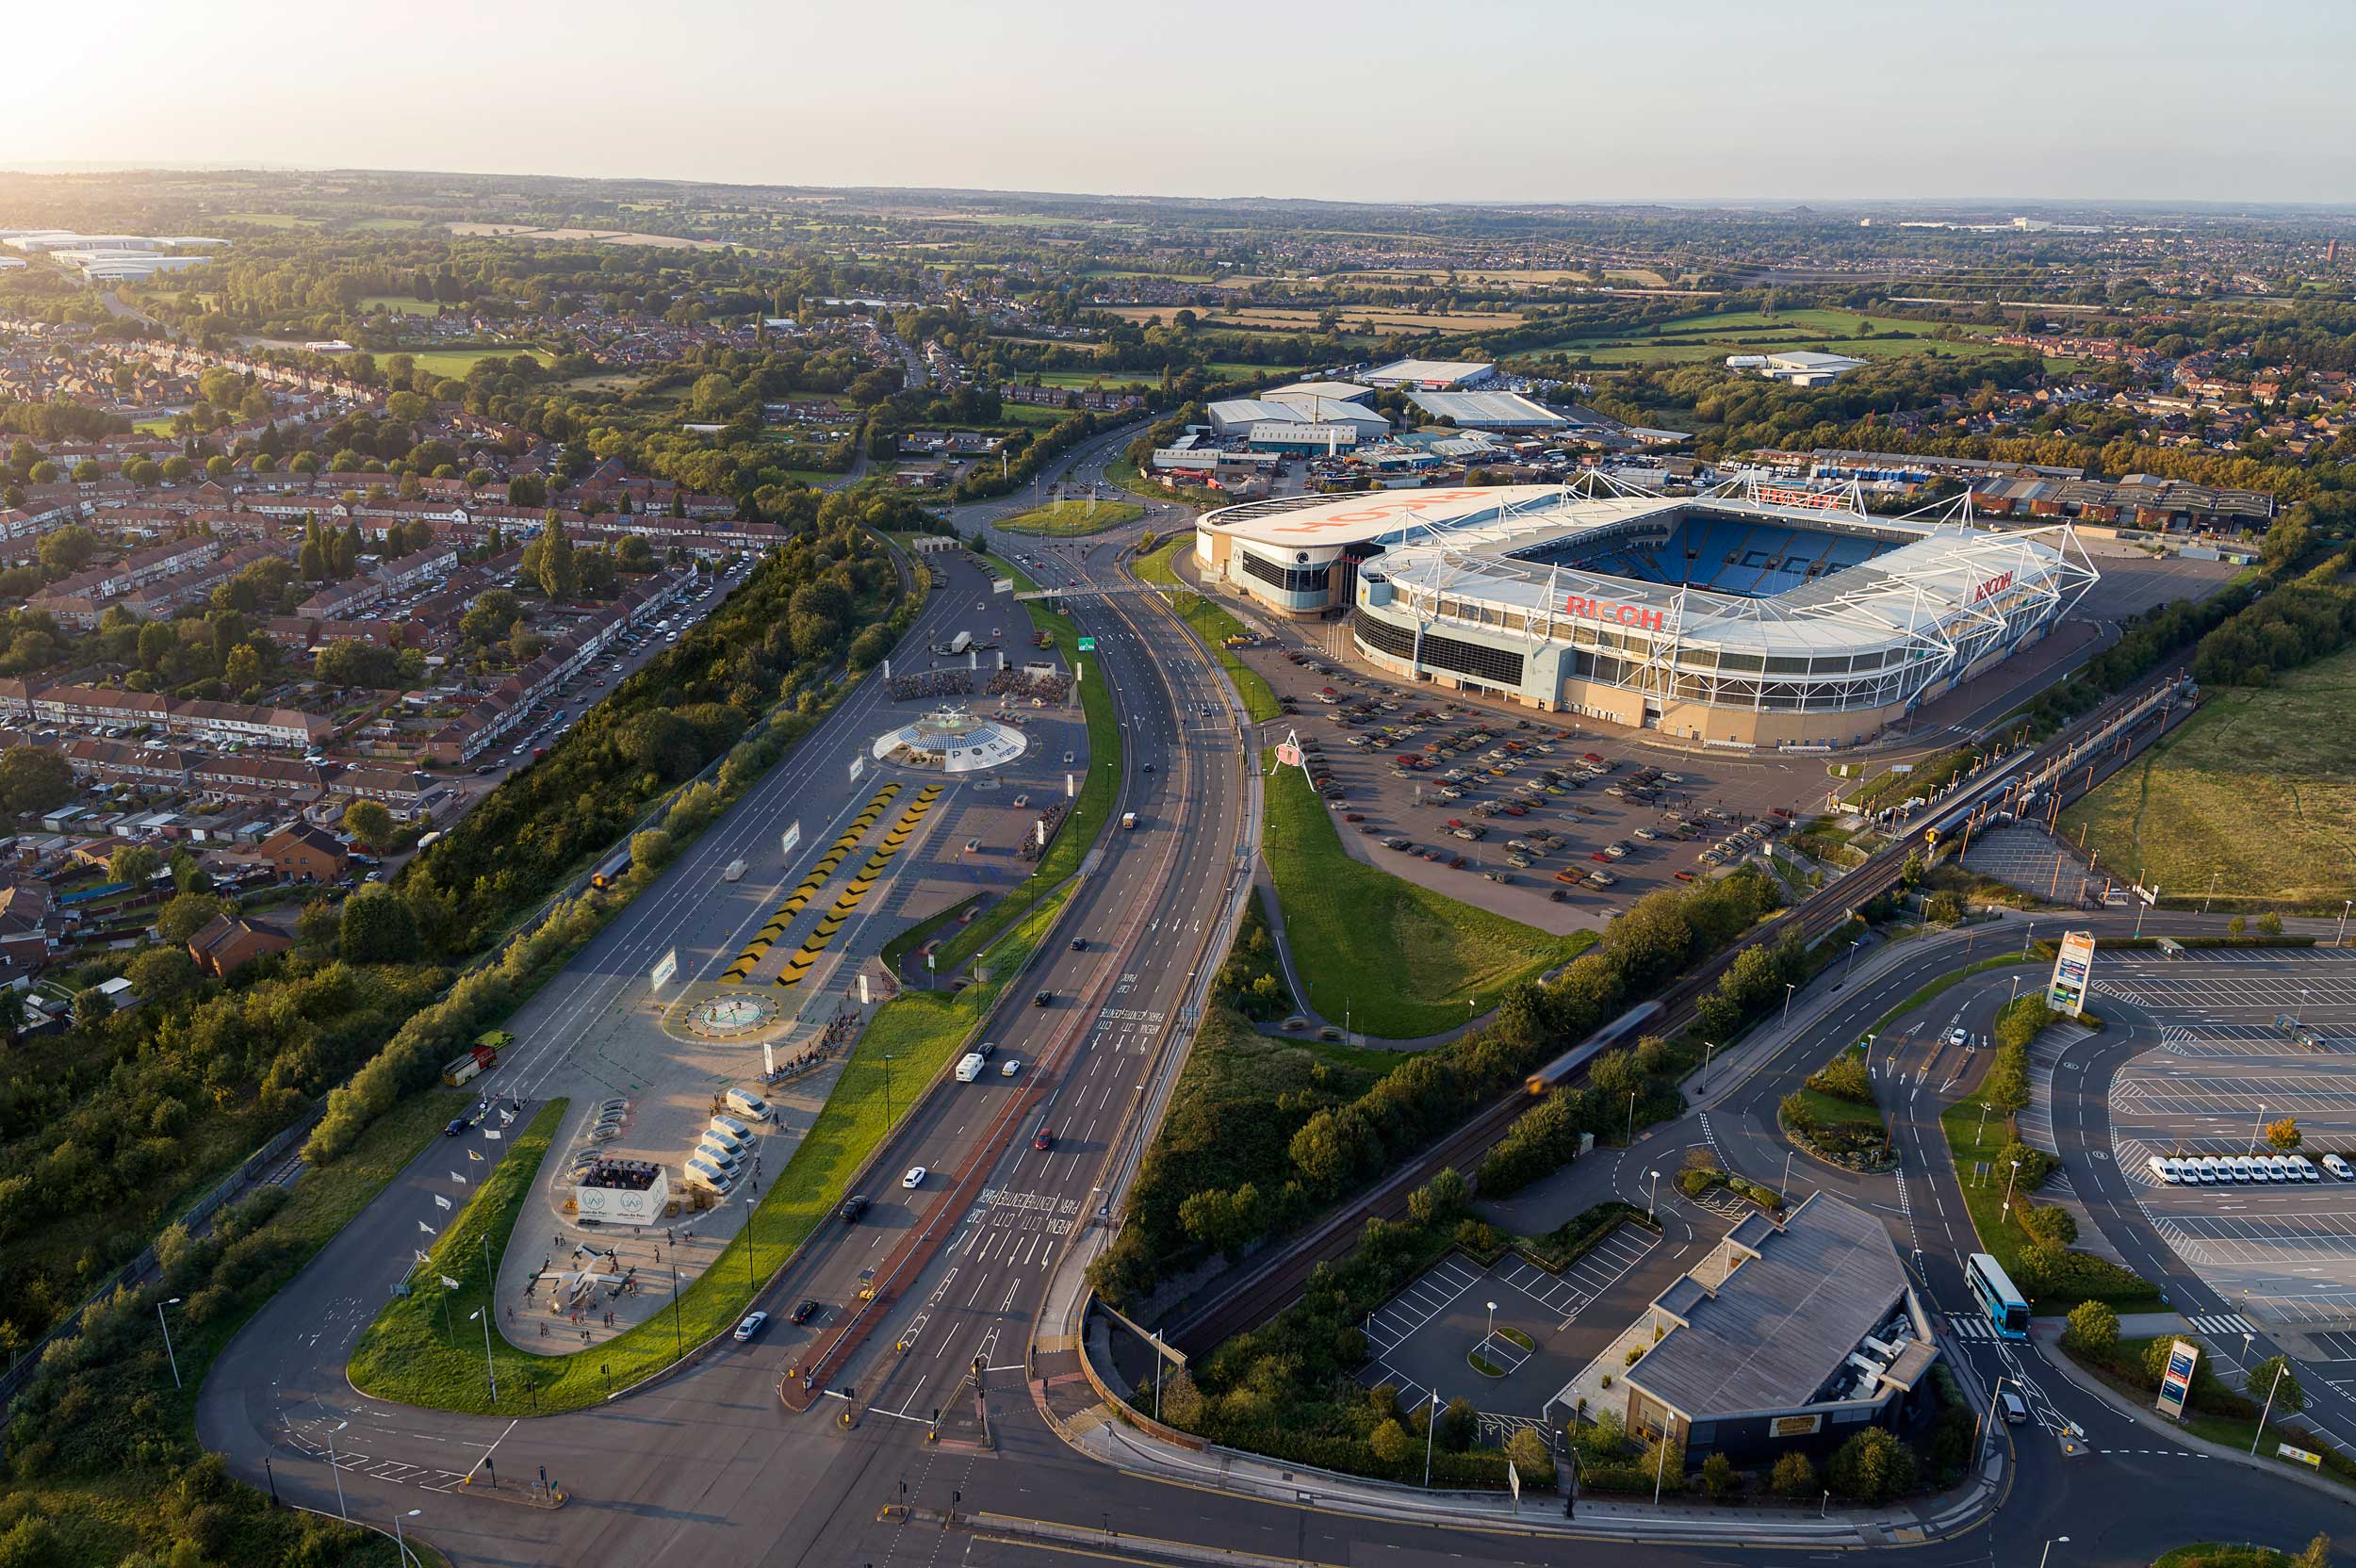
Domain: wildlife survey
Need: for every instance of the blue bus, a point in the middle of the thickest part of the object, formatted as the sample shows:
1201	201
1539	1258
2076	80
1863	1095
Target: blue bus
2007	1309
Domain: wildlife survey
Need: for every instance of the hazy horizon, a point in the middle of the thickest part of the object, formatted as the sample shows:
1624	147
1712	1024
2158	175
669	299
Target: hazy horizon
1498	102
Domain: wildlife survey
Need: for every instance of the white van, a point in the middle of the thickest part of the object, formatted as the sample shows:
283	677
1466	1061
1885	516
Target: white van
2164	1169
734	1128
748	1105
703	1173
2339	1168
2244	1170
726	1139
718	1153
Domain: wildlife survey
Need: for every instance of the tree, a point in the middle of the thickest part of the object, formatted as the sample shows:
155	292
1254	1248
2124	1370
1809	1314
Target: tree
368	821
1460	1423
161	975
2093	1329
1794	1477
1718	1477
650	851
1872	1467
243	670
185	914
1528	1452
1391	1443
34	779
134	864
2270	923
377	928
560	575
2274	1376
2318	1555
66	550
2283	1135
2235	926
91	1008
318	927
1441	1200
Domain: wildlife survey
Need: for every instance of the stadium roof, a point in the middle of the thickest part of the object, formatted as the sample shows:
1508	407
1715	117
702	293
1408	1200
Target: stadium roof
1427	372
1488	410
1810	359
1488	546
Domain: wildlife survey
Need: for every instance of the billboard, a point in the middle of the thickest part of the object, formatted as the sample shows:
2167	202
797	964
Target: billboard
1640	617
2067	991
665	969
625	1205
2176	1382
792	836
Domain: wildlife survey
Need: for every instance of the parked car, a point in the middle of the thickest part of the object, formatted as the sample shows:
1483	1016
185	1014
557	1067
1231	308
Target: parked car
754	1322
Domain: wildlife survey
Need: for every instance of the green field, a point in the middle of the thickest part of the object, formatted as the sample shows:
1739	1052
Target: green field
2254	795
268	219
1689	338
1212	625
1398	960
160	425
1032	416
386	225
399	304
1065	518
455	363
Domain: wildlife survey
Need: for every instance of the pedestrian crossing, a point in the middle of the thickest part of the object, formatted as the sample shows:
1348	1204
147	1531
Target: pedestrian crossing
2222	1323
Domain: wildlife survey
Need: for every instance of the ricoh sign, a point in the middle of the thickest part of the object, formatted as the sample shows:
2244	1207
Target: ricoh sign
1991	587
1636	617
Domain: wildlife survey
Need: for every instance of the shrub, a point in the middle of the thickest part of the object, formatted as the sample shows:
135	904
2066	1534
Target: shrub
2093	1329
1872	1467
1794	1477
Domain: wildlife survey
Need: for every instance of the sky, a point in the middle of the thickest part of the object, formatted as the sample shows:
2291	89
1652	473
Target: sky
1359	100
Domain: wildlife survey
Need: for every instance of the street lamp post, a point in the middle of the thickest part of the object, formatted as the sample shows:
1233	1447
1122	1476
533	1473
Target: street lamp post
1710	1049
2049	1549
1788	988
1430	1424
1787	1172
336	1466
2346	904
2006	1213
490	1371
1850	968
2281	1369
886	1063
401	1542
166	1324
1631	1117
1653	1196
2258	1129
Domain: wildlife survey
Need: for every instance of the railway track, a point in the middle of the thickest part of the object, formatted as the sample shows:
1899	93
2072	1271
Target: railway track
1252	1298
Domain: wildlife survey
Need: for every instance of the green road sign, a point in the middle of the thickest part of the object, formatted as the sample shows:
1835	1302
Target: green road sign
1087	644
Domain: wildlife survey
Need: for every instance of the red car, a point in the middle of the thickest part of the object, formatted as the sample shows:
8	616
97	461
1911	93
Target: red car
1046	1139
1353	816
1457	864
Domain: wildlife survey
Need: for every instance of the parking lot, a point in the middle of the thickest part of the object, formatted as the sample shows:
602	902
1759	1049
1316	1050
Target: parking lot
1565	830
1424	1337
2228	1068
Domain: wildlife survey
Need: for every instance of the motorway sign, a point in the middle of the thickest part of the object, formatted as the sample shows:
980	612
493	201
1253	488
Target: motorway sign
1087	644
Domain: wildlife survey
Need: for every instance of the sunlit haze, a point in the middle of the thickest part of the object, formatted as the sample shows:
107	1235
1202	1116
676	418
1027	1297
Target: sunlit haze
1499	100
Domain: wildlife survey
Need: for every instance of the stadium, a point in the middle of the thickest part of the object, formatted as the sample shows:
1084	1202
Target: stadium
1751	615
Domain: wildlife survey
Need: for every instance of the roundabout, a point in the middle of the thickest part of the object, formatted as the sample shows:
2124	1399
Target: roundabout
729	1016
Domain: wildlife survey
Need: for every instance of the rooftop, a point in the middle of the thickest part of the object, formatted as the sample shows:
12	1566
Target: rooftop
1779	1327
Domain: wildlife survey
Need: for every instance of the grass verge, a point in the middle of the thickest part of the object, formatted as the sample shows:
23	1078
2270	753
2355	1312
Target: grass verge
1975	1139
1399	959
1212	625
1070	518
920	1031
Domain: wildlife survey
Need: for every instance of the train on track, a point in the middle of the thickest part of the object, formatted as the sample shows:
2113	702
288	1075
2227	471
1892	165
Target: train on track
1558	1071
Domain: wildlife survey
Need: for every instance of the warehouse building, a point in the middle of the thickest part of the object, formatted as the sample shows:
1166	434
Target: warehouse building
1488	410
1431	375
1793	1335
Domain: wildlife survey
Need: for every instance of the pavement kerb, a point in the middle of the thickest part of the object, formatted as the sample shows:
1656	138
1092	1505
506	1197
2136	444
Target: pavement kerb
2048	1330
